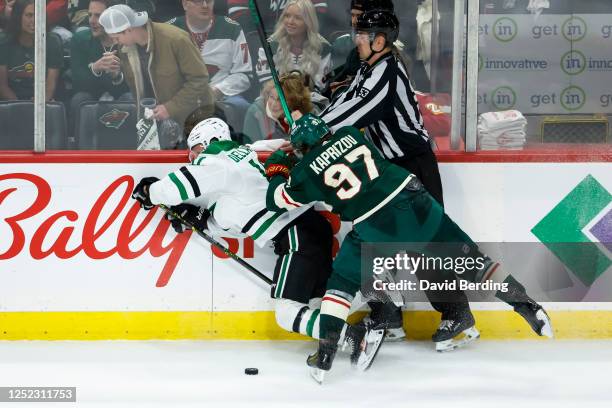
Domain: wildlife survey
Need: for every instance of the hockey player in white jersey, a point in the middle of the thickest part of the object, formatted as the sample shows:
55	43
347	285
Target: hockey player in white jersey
224	190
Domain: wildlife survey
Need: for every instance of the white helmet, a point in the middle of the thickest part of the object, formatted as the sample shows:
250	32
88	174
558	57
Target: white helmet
207	130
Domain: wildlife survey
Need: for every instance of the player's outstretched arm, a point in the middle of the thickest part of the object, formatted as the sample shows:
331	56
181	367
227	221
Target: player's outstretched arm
280	194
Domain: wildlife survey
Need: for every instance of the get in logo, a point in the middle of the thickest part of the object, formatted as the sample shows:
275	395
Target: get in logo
573	62
503	98
578	231
573	98
505	29
574	29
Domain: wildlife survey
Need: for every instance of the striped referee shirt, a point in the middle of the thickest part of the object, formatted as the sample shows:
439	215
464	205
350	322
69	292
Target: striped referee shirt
381	100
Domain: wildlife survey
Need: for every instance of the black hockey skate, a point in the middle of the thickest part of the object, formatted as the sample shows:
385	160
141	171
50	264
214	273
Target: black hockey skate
321	361
386	316
363	345
536	316
455	332
528	308
353	339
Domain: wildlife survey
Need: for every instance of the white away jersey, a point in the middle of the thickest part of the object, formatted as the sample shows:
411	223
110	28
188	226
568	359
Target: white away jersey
228	180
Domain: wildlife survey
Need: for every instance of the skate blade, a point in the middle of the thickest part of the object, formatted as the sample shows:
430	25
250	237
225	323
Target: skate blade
317	374
374	339
546	329
468	336
394	335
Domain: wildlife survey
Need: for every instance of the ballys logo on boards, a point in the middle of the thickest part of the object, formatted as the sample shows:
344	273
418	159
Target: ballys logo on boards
505	29
43	242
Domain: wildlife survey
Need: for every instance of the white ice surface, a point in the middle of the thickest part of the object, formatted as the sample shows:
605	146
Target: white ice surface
513	374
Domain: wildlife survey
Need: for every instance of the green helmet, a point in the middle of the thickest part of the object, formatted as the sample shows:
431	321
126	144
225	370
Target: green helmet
307	132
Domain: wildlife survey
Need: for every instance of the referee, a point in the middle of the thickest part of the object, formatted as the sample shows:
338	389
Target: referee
380	100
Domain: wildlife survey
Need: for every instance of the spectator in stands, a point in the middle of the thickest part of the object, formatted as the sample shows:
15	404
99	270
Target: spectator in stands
6	8
78	14
78	10
224	50
57	10
165	10
17	56
297	45
270	12
57	20
265	119
57	13
160	61
96	67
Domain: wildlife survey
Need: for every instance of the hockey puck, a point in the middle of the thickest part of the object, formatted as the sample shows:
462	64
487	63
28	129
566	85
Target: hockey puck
251	371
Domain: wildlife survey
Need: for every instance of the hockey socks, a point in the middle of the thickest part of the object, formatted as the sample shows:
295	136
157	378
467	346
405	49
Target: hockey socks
335	309
307	322
297	317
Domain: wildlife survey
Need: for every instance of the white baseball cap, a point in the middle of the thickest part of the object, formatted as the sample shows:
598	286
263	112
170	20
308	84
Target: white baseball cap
120	17
207	130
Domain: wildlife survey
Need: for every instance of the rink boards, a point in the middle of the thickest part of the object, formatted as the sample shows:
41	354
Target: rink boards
79	260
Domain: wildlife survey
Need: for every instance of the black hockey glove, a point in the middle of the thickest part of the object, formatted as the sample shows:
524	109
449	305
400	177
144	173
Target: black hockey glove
196	216
141	192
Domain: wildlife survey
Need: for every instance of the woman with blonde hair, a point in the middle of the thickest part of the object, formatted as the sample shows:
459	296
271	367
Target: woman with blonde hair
297	45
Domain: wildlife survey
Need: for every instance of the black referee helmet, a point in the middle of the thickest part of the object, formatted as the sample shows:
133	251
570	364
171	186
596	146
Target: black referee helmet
377	22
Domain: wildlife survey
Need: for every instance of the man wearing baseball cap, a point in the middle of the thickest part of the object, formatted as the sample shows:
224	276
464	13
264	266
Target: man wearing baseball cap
159	61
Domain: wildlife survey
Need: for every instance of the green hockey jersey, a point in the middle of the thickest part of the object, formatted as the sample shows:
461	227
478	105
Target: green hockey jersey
346	172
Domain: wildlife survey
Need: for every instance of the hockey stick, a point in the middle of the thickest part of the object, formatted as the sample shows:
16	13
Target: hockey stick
261	31
217	244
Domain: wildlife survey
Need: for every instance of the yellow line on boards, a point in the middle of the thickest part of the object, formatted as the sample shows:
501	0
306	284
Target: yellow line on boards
419	325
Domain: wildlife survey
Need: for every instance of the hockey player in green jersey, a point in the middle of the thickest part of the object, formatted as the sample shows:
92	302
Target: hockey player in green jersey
386	203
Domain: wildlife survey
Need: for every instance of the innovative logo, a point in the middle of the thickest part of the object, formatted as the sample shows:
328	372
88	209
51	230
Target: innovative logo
579	230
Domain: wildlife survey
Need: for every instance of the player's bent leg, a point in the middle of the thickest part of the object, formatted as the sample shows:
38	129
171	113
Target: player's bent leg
516	295
297	317
335	307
